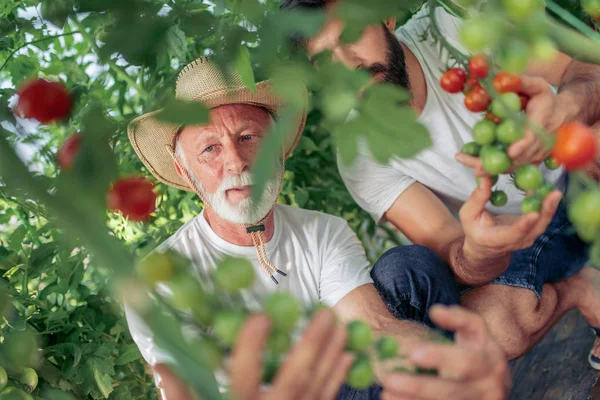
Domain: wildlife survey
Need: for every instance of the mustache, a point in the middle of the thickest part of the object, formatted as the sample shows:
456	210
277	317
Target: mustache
231	181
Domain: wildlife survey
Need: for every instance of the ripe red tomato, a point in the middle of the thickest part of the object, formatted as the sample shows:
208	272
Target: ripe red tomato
453	80
479	66
134	197
575	146
45	101
477	100
505	82
68	152
524	100
493	117
472	83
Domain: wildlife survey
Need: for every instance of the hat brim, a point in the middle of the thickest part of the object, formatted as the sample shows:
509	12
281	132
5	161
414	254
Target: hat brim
151	138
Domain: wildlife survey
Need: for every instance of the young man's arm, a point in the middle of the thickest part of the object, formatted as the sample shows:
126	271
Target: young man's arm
477	248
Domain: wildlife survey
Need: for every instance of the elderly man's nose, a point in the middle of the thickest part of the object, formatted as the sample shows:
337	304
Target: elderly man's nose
235	161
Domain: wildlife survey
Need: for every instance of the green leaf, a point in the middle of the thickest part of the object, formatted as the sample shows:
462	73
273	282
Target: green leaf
22	68
176	43
96	377
181	112
243	66
57	11
15	240
129	353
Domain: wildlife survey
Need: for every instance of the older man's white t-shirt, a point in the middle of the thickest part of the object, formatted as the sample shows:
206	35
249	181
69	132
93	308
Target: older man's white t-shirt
321	255
375	187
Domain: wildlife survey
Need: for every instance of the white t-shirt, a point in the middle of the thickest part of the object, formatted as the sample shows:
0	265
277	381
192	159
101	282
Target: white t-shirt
375	187
321	255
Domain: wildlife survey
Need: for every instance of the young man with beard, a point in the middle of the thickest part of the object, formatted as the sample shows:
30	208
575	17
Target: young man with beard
314	256
520	272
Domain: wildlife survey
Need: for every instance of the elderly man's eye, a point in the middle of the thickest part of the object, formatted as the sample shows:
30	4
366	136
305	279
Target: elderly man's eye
247	137
209	149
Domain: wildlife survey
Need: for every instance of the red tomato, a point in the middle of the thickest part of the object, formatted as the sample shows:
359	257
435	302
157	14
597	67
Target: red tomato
472	83
134	197
524	100
453	80
575	146
68	152
45	101
477	100
493	117
479	66
505	82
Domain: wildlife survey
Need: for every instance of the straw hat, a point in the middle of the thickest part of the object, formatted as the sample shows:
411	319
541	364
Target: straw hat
201	81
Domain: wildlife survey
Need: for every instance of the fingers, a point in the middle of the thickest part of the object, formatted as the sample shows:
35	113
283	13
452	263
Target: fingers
458	319
530	149
328	362
533	86
475	205
451	361
337	377
296	374
401	386
246	359
471	162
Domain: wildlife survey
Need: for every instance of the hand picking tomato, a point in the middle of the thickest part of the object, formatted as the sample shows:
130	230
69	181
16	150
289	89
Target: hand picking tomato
453	80
45	101
505	82
477	100
134	197
479	66
68	152
575	146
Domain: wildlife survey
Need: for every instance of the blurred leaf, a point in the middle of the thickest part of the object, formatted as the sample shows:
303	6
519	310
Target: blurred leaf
243	66
180	112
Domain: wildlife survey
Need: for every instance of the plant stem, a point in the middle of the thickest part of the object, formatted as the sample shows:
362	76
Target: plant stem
112	65
34	42
435	31
574	44
452	8
572	20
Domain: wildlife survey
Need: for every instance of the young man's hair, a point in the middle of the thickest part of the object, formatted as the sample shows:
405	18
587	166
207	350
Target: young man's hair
310	4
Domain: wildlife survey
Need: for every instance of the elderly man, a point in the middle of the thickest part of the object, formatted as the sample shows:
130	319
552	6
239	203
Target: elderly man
500	262
314	256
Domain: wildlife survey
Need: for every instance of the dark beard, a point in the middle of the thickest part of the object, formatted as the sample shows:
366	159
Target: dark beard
395	73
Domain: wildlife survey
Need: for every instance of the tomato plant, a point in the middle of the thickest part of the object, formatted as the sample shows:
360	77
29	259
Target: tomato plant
509	132
528	177
575	146
477	100
494	160
453	80
499	198
134	197
505	82
68	152
505	104
45	101
479	66
531	204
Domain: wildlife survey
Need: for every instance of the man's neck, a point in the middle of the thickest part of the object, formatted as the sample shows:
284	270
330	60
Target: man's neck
236	233
416	77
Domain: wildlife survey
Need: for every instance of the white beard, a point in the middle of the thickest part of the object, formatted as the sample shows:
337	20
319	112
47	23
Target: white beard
246	211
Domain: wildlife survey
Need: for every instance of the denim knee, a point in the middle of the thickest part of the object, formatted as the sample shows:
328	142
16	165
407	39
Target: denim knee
410	279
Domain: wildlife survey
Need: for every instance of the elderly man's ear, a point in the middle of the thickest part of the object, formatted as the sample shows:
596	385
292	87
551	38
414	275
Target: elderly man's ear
390	23
179	171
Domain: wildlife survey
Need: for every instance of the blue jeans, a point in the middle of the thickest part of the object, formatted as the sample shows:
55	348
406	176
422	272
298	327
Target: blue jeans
409	279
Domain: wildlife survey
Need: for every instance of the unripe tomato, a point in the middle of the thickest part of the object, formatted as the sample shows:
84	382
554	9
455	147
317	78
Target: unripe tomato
531	204
387	347
471	148
279	342
360	336
480	33
528	177
492	117
551	163
591	7
208	351
520	10
509	132
505	82
506	104
524	100
494	179
544	49
234	274
514	57
29	378
453	80
494	160
12	393
484	132
156	267
479	66
284	311
543	191
68	152
227	325
134	197
361	374
498	198
3	378
583	212
575	146
43	100
477	100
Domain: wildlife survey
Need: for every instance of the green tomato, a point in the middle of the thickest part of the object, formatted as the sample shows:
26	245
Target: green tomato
279	342
209	352
544	190
361	374
188	294
494	160
156	267
19	349
284	311
514	57
544	49
584	212
12	393
3	378
551	163
387	347
498	198
480	33
471	148
484	132
360	336
591	7
494	179
535	27
531	204
528	177
506	104
509	132
234	274
521	10
29	378
227	325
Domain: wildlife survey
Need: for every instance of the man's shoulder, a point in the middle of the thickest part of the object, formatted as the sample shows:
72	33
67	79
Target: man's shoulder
303	218
183	234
